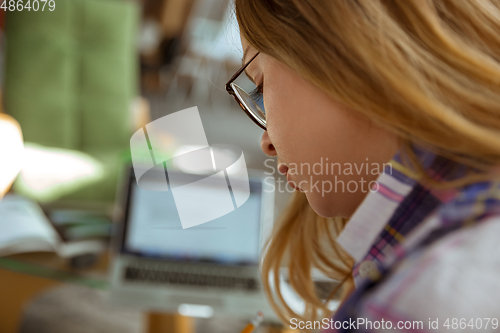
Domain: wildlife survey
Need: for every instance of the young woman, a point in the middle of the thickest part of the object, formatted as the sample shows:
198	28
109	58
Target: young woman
399	102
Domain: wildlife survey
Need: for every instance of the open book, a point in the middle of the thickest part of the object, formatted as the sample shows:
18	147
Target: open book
25	228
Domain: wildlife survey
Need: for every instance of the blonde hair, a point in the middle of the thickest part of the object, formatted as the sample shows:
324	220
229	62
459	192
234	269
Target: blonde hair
427	71
305	240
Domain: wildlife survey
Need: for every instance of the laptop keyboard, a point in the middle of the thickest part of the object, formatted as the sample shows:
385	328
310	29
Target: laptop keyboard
203	276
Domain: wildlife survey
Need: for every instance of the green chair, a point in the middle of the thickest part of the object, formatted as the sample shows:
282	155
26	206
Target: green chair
70	80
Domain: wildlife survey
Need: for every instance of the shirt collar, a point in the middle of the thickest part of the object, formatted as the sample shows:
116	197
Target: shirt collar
396	189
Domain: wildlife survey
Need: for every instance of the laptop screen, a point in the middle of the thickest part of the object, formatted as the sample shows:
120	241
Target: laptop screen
153	229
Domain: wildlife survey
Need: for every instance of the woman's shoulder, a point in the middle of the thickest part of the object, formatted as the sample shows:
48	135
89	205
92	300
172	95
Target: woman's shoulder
459	218
445	270
463	234
452	271
450	281
473	205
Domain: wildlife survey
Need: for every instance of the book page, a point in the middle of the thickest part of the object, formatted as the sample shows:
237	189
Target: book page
24	227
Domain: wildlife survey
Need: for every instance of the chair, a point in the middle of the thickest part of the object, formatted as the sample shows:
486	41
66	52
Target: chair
70	82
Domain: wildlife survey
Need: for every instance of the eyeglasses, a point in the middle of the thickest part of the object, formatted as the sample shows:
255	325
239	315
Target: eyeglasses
252	103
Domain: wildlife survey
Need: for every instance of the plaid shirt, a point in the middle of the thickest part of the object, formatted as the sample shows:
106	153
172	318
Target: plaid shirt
426	260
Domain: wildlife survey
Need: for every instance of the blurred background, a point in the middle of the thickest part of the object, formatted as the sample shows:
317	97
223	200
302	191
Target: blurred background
77	79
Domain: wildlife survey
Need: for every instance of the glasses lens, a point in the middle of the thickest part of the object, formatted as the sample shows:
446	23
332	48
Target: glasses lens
253	101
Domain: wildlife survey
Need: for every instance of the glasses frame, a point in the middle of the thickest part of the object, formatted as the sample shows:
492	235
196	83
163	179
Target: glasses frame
233	93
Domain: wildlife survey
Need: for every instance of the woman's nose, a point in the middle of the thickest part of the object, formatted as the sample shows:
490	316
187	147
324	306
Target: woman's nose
267	146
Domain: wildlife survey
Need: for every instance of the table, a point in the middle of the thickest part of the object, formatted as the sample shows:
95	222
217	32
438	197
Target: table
23	276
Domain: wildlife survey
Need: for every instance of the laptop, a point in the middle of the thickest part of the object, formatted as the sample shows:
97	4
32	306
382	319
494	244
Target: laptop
211	268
